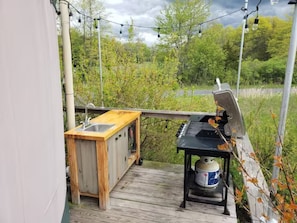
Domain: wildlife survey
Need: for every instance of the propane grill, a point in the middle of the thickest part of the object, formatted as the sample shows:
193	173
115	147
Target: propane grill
199	138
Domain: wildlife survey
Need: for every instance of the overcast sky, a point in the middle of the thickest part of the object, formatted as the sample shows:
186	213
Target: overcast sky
144	12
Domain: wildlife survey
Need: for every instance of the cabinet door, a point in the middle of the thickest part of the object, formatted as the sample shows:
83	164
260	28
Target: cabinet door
112	162
87	166
122	151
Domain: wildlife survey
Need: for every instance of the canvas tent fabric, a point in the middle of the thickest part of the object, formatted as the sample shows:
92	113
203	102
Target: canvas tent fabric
32	157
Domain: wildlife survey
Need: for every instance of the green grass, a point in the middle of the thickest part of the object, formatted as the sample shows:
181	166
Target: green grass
262	128
159	141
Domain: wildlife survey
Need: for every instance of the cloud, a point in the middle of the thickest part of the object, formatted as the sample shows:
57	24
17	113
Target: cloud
144	12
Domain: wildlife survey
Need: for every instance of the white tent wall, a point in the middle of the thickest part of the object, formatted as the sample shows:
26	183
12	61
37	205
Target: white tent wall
32	157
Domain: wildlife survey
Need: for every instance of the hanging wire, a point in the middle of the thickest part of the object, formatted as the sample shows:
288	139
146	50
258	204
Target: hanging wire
54	2
256	21
151	27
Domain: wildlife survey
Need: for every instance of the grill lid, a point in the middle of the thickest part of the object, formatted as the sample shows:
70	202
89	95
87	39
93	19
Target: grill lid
224	97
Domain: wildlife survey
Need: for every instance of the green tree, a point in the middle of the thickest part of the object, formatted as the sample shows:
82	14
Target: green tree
178	23
205	58
250	72
278	45
264	60
256	41
231	47
273	71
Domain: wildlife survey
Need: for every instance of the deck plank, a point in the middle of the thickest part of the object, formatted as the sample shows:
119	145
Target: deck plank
147	194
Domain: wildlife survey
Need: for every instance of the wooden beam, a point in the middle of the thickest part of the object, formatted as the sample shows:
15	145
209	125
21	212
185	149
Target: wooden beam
166	114
137	136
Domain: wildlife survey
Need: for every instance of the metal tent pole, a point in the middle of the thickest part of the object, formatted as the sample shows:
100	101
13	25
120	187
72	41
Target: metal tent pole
67	62
286	95
244	22
100	64
285	101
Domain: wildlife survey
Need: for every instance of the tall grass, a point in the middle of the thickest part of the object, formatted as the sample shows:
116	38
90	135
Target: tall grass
262	128
159	141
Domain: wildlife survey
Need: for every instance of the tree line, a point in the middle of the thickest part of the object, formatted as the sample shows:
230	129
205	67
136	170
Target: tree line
180	58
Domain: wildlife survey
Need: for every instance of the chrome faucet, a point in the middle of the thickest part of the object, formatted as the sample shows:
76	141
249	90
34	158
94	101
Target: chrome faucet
87	119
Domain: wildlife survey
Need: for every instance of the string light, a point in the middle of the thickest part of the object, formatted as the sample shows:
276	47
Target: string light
199	32
246	28
121	29
95	24
70	12
144	27
256	22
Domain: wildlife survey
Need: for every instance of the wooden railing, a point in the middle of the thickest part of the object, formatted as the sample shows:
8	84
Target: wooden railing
166	114
244	149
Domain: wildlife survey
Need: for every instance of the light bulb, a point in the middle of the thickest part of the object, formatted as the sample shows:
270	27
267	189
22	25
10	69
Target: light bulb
246	28
256	24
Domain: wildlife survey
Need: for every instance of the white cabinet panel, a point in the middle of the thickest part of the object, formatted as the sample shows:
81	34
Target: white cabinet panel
122	151
87	166
117	147
112	161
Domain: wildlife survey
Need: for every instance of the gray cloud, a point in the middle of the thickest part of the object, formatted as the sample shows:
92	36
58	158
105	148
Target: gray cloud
144	12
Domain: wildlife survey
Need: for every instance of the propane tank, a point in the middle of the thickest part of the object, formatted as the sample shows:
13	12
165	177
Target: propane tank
207	172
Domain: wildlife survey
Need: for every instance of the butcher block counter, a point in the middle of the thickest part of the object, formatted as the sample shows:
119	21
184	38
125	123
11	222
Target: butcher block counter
98	159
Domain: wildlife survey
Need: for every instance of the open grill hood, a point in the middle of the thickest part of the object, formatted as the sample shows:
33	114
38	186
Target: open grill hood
224	97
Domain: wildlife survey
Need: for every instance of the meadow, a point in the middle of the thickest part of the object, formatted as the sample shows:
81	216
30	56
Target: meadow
159	141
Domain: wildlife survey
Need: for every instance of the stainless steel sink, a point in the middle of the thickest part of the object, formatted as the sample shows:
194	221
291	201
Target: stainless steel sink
97	127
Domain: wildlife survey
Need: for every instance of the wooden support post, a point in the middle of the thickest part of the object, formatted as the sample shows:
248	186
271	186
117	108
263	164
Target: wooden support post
137	140
72	159
103	181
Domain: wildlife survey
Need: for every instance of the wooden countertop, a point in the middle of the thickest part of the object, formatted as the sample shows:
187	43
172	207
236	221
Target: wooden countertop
120	119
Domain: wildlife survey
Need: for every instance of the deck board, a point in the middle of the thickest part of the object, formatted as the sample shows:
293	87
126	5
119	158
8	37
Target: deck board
147	194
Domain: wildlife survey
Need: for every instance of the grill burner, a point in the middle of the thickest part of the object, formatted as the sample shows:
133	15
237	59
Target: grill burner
201	129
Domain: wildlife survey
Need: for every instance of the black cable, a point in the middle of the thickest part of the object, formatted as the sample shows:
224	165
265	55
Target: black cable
53	2
148	27
257	8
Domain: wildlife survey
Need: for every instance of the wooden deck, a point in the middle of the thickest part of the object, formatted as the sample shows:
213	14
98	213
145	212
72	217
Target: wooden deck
150	193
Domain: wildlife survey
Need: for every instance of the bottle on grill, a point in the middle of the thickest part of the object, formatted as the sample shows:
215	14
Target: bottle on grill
207	172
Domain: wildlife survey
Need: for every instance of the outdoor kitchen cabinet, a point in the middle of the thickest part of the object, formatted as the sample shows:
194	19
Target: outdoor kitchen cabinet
98	160
117	147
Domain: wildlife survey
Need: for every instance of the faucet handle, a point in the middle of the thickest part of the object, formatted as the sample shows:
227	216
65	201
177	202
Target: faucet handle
88	121
90	105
